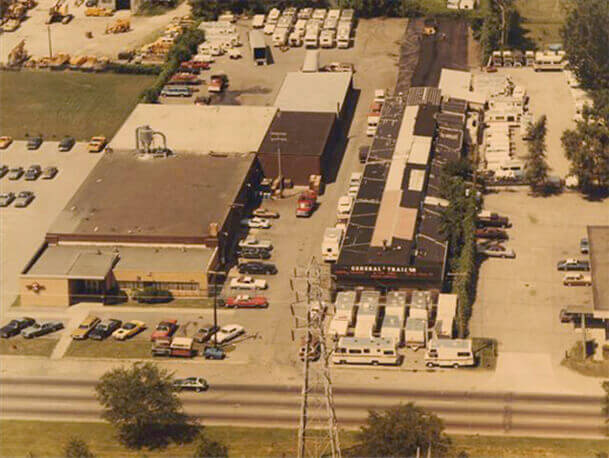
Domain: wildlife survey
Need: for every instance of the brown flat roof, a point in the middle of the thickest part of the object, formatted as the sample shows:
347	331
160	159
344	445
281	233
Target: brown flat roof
127	198
598	237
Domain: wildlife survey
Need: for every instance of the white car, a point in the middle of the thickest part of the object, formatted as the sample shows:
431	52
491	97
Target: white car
345	204
371	131
248	283
229	332
256	222
353	190
253	242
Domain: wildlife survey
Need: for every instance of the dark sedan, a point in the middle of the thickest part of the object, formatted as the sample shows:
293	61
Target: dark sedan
573	264
257	268
105	329
66	144
34	142
254	253
205	333
16	326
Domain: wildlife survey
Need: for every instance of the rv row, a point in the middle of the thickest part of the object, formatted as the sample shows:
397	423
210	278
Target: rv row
403	319
312	27
540	60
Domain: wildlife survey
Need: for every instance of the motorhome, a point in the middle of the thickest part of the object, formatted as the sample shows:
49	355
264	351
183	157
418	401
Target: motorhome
343	35
326	39
330	246
258	21
375	351
449	353
280	36
415	333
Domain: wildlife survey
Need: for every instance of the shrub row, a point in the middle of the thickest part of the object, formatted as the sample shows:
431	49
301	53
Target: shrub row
183	49
134	69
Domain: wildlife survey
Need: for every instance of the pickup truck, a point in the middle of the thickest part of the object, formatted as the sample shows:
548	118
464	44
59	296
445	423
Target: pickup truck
573	264
577	280
491	233
306	204
489	219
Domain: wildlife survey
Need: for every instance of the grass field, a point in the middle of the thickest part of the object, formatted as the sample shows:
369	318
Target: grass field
66	103
17	345
110	348
19	438
542	20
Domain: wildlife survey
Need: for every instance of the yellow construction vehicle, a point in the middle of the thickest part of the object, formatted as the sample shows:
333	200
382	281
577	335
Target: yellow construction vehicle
59	12
59	61
119	26
96	12
18	55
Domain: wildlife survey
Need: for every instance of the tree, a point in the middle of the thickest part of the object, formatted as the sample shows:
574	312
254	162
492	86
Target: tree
141	402
207	448
586	41
401	431
587	147
77	448
536	167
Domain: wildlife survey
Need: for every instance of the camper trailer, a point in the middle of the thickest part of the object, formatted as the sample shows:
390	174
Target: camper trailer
375	351
391	328
330	246
326	39
280	36
258	21
415	333
311	38
449	353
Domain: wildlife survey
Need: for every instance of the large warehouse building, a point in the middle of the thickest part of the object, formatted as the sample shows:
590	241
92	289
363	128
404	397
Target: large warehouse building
139	221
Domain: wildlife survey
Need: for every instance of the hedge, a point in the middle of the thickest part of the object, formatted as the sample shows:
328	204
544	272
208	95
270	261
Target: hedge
134	69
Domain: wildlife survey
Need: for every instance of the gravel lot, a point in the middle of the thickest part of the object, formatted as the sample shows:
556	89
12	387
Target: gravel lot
70	37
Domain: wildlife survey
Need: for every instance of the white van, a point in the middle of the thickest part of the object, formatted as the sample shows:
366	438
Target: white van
345	204
330	246
449	353
354	350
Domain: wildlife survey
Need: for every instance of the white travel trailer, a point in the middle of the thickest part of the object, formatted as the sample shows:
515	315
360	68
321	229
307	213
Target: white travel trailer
367	317
415	333
339	325
392	329
258	21
311	38
450	353
269	28
326	39
280	36
353	350
330	246
273	16
295	39
345	301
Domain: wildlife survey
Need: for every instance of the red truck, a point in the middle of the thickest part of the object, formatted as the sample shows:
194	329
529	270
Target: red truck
306	203
193	64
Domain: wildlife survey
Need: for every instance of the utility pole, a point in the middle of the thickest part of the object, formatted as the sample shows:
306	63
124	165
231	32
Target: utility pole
318	426
215	283
279	137
50	47
502	6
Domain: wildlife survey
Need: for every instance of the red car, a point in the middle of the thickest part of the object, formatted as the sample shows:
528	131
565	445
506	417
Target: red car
195	64
246	301
164	329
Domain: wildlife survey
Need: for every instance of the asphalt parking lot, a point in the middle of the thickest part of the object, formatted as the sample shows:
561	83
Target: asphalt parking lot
518	300
22	230
70	38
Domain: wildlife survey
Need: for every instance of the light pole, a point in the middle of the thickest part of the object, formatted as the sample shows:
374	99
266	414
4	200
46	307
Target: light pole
278	137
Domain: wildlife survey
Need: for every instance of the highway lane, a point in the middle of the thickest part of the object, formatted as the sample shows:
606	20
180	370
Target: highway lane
268	405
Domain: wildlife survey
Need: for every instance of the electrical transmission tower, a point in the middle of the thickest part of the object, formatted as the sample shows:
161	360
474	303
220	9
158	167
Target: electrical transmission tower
318	428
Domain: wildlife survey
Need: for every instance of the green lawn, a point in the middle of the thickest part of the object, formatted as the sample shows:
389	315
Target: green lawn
39	438
67	103
541	20
110	348
40	346
586	366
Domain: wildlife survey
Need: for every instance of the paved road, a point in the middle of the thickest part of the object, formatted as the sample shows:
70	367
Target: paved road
278	405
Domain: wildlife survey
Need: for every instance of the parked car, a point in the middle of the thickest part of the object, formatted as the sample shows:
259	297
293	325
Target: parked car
66	143
34	142
248	283
584	246
128	329
214	353
3	170
363	154
33	172
24	198
6	198
105	329
14	327
205	333
495	250
164	329
256	222
307	203
15	173
253	242
197	384
41	329
265	213
96	144
345	204
491	233
254	253
246	301
82	331
49	173
229	332
577	280
573	264
161	347
254	267
5	141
